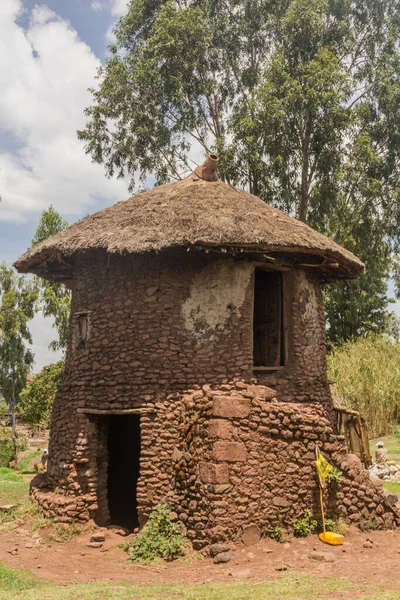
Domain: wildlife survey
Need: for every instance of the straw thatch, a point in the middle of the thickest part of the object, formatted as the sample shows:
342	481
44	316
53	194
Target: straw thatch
189	213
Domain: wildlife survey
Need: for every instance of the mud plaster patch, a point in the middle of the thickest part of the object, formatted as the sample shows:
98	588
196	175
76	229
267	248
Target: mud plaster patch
308	300
217	293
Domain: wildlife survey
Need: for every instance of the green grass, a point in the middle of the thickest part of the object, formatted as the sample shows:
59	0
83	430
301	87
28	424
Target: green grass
290	587
392	443
13	489
392	486
25	465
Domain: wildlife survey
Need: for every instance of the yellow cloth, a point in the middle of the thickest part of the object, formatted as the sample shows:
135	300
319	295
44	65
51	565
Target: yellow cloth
323	467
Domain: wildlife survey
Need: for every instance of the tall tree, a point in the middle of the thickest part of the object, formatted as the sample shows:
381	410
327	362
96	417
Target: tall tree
55	298
18	297
300	98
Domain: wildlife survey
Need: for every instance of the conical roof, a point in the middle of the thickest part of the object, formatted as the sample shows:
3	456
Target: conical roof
191	213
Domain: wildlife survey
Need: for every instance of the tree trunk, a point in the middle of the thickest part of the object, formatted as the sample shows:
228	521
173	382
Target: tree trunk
13	430
303	210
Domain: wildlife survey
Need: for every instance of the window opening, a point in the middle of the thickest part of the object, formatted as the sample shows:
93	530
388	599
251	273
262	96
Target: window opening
268	338
82	329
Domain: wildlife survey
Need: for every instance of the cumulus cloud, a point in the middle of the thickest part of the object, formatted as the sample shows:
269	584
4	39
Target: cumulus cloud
44	75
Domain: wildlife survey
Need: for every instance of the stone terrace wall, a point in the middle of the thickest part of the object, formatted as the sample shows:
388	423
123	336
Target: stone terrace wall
248	462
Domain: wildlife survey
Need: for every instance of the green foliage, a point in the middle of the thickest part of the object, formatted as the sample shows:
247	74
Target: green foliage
305	526
366	373
16	584
12	580
334	477
55	298
18	299
336	525
161	538
7	452
36	400
392	486
300	98
276	533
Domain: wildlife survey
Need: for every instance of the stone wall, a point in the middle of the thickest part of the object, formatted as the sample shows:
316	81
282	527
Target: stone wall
170	336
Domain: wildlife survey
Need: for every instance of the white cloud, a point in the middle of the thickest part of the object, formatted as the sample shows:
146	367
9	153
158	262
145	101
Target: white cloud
43	333
116	7
45	71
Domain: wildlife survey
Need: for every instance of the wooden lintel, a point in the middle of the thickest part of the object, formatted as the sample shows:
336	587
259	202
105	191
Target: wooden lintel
278	368
115	411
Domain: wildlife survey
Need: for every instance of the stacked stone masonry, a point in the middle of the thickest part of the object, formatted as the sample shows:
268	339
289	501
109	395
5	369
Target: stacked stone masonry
226	447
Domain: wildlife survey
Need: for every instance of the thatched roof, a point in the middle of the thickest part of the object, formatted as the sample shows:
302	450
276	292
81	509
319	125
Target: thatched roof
191	213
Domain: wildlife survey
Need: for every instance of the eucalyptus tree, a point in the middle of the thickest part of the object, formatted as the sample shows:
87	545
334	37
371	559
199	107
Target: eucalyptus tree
300	98
55	298
18	300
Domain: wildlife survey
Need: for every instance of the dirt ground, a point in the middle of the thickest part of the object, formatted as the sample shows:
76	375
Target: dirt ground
369	558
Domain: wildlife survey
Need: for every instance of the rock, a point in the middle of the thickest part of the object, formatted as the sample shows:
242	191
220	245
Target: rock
19	522
368	544
219	549
392	499
251	535
243	574
321	556
98	537
95	545
224	557
29	545
7	507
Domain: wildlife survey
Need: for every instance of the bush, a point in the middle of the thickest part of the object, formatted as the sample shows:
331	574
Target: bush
367	378
161	538
7	448
276	533
336	525
36	400
305	526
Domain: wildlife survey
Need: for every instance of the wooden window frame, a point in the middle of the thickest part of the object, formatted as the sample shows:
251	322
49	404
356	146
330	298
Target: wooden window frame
262	267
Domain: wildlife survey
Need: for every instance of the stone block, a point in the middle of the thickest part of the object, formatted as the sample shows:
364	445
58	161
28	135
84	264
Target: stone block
251	535
229	452
219	428
231	407
212	473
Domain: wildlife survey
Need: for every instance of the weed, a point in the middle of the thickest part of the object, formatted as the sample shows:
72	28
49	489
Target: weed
161	538
64	534
276	533
334	477
369	524
336	525
305	526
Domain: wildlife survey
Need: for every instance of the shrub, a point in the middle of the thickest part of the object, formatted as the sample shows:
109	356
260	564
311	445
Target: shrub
336	525
36	400
367	378
276	533
334	477
305	526
7	448
161	538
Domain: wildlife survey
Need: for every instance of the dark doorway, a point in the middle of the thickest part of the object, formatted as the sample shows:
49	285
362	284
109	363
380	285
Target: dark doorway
123	469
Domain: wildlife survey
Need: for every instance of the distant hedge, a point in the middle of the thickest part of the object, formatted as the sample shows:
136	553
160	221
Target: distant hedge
36	400
367	378
6	446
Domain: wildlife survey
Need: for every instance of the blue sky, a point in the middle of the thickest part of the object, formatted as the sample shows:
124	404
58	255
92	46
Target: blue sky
49	55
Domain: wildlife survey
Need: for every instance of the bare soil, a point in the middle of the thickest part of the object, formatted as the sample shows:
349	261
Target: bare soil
74	562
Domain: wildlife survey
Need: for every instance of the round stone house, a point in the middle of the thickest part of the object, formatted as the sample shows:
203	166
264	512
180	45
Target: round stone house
195	373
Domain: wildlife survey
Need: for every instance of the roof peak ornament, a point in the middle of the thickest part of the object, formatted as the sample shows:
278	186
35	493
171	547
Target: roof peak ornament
208	170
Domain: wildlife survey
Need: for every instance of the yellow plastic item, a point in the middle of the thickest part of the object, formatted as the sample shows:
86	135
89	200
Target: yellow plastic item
334	539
